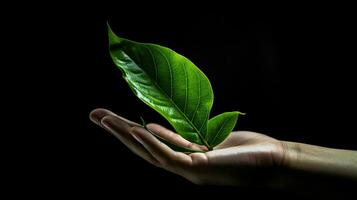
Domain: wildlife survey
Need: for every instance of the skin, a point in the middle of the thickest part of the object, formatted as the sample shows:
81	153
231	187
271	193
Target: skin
244	158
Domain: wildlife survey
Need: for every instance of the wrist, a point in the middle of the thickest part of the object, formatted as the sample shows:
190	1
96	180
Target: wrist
290	154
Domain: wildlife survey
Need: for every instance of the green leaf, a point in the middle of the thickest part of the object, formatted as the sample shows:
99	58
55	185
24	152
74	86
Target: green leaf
167	82
220	127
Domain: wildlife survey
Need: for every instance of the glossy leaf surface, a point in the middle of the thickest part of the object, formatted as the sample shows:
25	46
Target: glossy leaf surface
173	86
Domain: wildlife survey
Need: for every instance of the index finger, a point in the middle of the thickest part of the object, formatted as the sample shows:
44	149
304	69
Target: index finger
174	138
98	114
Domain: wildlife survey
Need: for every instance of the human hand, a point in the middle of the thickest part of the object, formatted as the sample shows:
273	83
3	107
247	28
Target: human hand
242	158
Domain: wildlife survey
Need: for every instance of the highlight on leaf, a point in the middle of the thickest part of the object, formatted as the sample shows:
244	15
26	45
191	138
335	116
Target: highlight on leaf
173	86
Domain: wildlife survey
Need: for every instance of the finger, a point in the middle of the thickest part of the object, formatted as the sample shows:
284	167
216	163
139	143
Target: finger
97	114
168	158
121	130
174	138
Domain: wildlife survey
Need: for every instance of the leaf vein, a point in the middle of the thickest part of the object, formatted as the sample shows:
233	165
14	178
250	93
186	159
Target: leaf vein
190	122
220	129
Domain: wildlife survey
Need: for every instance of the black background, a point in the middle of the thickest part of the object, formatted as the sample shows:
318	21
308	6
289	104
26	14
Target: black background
290	69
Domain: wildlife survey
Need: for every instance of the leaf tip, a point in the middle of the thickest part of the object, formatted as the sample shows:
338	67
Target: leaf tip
240	113
113	38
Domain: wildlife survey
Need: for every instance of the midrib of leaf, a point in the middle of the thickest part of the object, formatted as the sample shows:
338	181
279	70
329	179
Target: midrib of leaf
183	114
172	102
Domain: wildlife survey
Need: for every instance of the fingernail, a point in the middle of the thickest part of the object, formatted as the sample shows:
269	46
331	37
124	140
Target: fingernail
96	117
105	123
98	114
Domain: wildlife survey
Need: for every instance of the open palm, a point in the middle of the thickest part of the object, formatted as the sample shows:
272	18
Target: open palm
242	158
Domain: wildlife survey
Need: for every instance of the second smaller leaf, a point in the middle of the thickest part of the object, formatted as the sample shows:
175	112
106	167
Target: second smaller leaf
220	126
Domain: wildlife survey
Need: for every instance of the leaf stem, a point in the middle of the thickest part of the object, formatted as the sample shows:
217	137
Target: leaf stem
204	142
171	145
143	122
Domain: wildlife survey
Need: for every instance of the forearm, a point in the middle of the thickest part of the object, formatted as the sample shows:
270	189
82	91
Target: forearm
321	160
316	170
